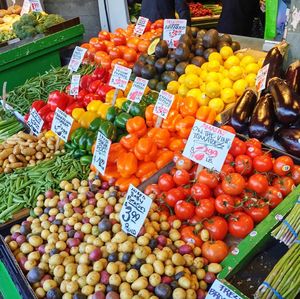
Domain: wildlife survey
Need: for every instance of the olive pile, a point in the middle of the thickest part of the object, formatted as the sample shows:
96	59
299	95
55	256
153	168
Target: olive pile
74	248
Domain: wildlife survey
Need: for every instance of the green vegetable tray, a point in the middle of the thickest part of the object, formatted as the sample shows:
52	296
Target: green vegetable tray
23	60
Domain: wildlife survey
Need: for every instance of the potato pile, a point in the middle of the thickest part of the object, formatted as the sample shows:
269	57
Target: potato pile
75	248
24	149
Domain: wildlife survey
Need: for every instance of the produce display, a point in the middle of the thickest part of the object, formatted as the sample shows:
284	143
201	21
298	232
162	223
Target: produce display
7	18
9	125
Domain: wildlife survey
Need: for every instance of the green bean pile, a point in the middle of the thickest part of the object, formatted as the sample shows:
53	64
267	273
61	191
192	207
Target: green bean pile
20	189
38	88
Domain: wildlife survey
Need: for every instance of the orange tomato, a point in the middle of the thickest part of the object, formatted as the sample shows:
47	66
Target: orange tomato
132	42
123	183
118	61
206	114
164	157
189	106
130	55
115	53
143	45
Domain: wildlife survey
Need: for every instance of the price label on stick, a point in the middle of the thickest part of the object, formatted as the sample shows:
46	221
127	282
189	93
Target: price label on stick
36	5
134	211
173	29
25	7
76	59
208	145
261	78
120	77
74	88
163	104
220	290
61	124
137	90
35	122
140	25
101	152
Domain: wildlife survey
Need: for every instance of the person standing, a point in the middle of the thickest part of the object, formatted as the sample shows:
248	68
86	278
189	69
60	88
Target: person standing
165	9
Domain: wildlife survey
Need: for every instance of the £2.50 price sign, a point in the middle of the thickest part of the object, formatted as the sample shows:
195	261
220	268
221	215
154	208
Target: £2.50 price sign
134	211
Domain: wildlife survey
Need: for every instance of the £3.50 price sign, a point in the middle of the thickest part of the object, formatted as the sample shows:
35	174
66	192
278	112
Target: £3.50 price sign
134	211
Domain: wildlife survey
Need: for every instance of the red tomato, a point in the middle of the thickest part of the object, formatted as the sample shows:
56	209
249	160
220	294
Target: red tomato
165	182
218	190
189	236
217	227
263	163
228	129
118	61
100	46
174	195
226	169
283	165
258	183
224	204
184	210
273	196
115	53
284	184
119	40
200	191
238	147
205	208
243	164
238	204
296	174
240	224
171	219
253	151
186	190
181	177
130	55
229	159
208	177
233	184
184	163
152	188
253	142
214	251
258	211
104	35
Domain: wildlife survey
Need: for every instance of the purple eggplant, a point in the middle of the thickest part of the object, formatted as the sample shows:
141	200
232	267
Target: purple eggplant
289	139
243	110
292	76
263	119
286	102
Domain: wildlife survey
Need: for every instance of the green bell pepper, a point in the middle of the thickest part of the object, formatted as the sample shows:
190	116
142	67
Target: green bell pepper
79	153
122	119
108	130
86	160
76	135
95	124
91	138
83	141
69	146
111	113
135	109
150	98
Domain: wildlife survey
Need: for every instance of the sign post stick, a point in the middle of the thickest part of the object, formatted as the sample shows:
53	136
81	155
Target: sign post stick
4	95
115	97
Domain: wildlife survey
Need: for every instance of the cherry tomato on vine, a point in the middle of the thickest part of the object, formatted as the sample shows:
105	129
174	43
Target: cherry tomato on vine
296	174
258	211
214	251
238	204
253	142
240	224
217	227
184	210
253	151
243	164
284	184
258	183
262	163
152	188
233	184
165	182
273	196
184	163
189	235
205	208
238	147
283	165
174	195
224	204
208	177
226	169
181	177
200	191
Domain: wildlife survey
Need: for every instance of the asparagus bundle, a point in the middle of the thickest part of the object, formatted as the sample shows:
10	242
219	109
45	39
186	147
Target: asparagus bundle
284	279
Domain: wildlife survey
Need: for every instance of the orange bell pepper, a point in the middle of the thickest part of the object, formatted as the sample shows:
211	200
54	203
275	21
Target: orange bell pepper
164	157
169	122
146	168
123	183
129	141
151	118
206	114
75	125
145	149
177	102
177	144
189	106
111	172
160	136
115	151
184	126
127	164
136	125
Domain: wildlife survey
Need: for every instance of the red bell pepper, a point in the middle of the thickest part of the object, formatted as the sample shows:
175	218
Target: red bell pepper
85	81
74	105
67	90
44	111
100	74
103	90
90	97
81	94
94	86
38	105
49	117
57	99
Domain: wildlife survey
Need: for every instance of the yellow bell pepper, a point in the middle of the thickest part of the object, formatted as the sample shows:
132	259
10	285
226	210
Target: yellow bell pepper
102	110
94	105
119	102
49	134
87	118
77	112
109	96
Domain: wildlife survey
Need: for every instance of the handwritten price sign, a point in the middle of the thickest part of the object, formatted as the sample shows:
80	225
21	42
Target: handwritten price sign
35	122
261	78
173	29
219	290
140	25
74	88
36	5
137	90
208	145
134	211
61	125
25	7
76	59
120	77
163	104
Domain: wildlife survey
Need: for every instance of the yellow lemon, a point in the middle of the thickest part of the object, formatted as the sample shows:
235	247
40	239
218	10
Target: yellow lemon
235	73
226	52
252	68
247	60
213	89
191	81
204	66
216	104
228	95
203	75
215	56
239	55
231	61
225	73
200	96
250	78
183	90
191	69
212	76
213	66
226	83
239	86
181	79
173	87
203	87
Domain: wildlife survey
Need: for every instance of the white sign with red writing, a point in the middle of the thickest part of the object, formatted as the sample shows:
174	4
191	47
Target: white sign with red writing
137	90
25	7
76	59
140	25
74	88
173	29
262	78
163	104
36	5
208	145
219	290
120	77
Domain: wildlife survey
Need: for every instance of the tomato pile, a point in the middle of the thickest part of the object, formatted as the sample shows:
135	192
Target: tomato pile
250	184
198	10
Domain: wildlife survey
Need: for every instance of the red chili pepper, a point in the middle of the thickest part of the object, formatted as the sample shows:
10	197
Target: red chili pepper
57	99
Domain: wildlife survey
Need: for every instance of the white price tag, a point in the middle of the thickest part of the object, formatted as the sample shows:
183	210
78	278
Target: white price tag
61	124
137	90
163	104
220	290
74	88
261	78
76	59
36	5
101	152
120	77
25	7
208	145
35	122
173	29
140	25
134	211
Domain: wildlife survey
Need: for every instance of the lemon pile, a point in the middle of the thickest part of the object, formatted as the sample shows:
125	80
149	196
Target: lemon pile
219	82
